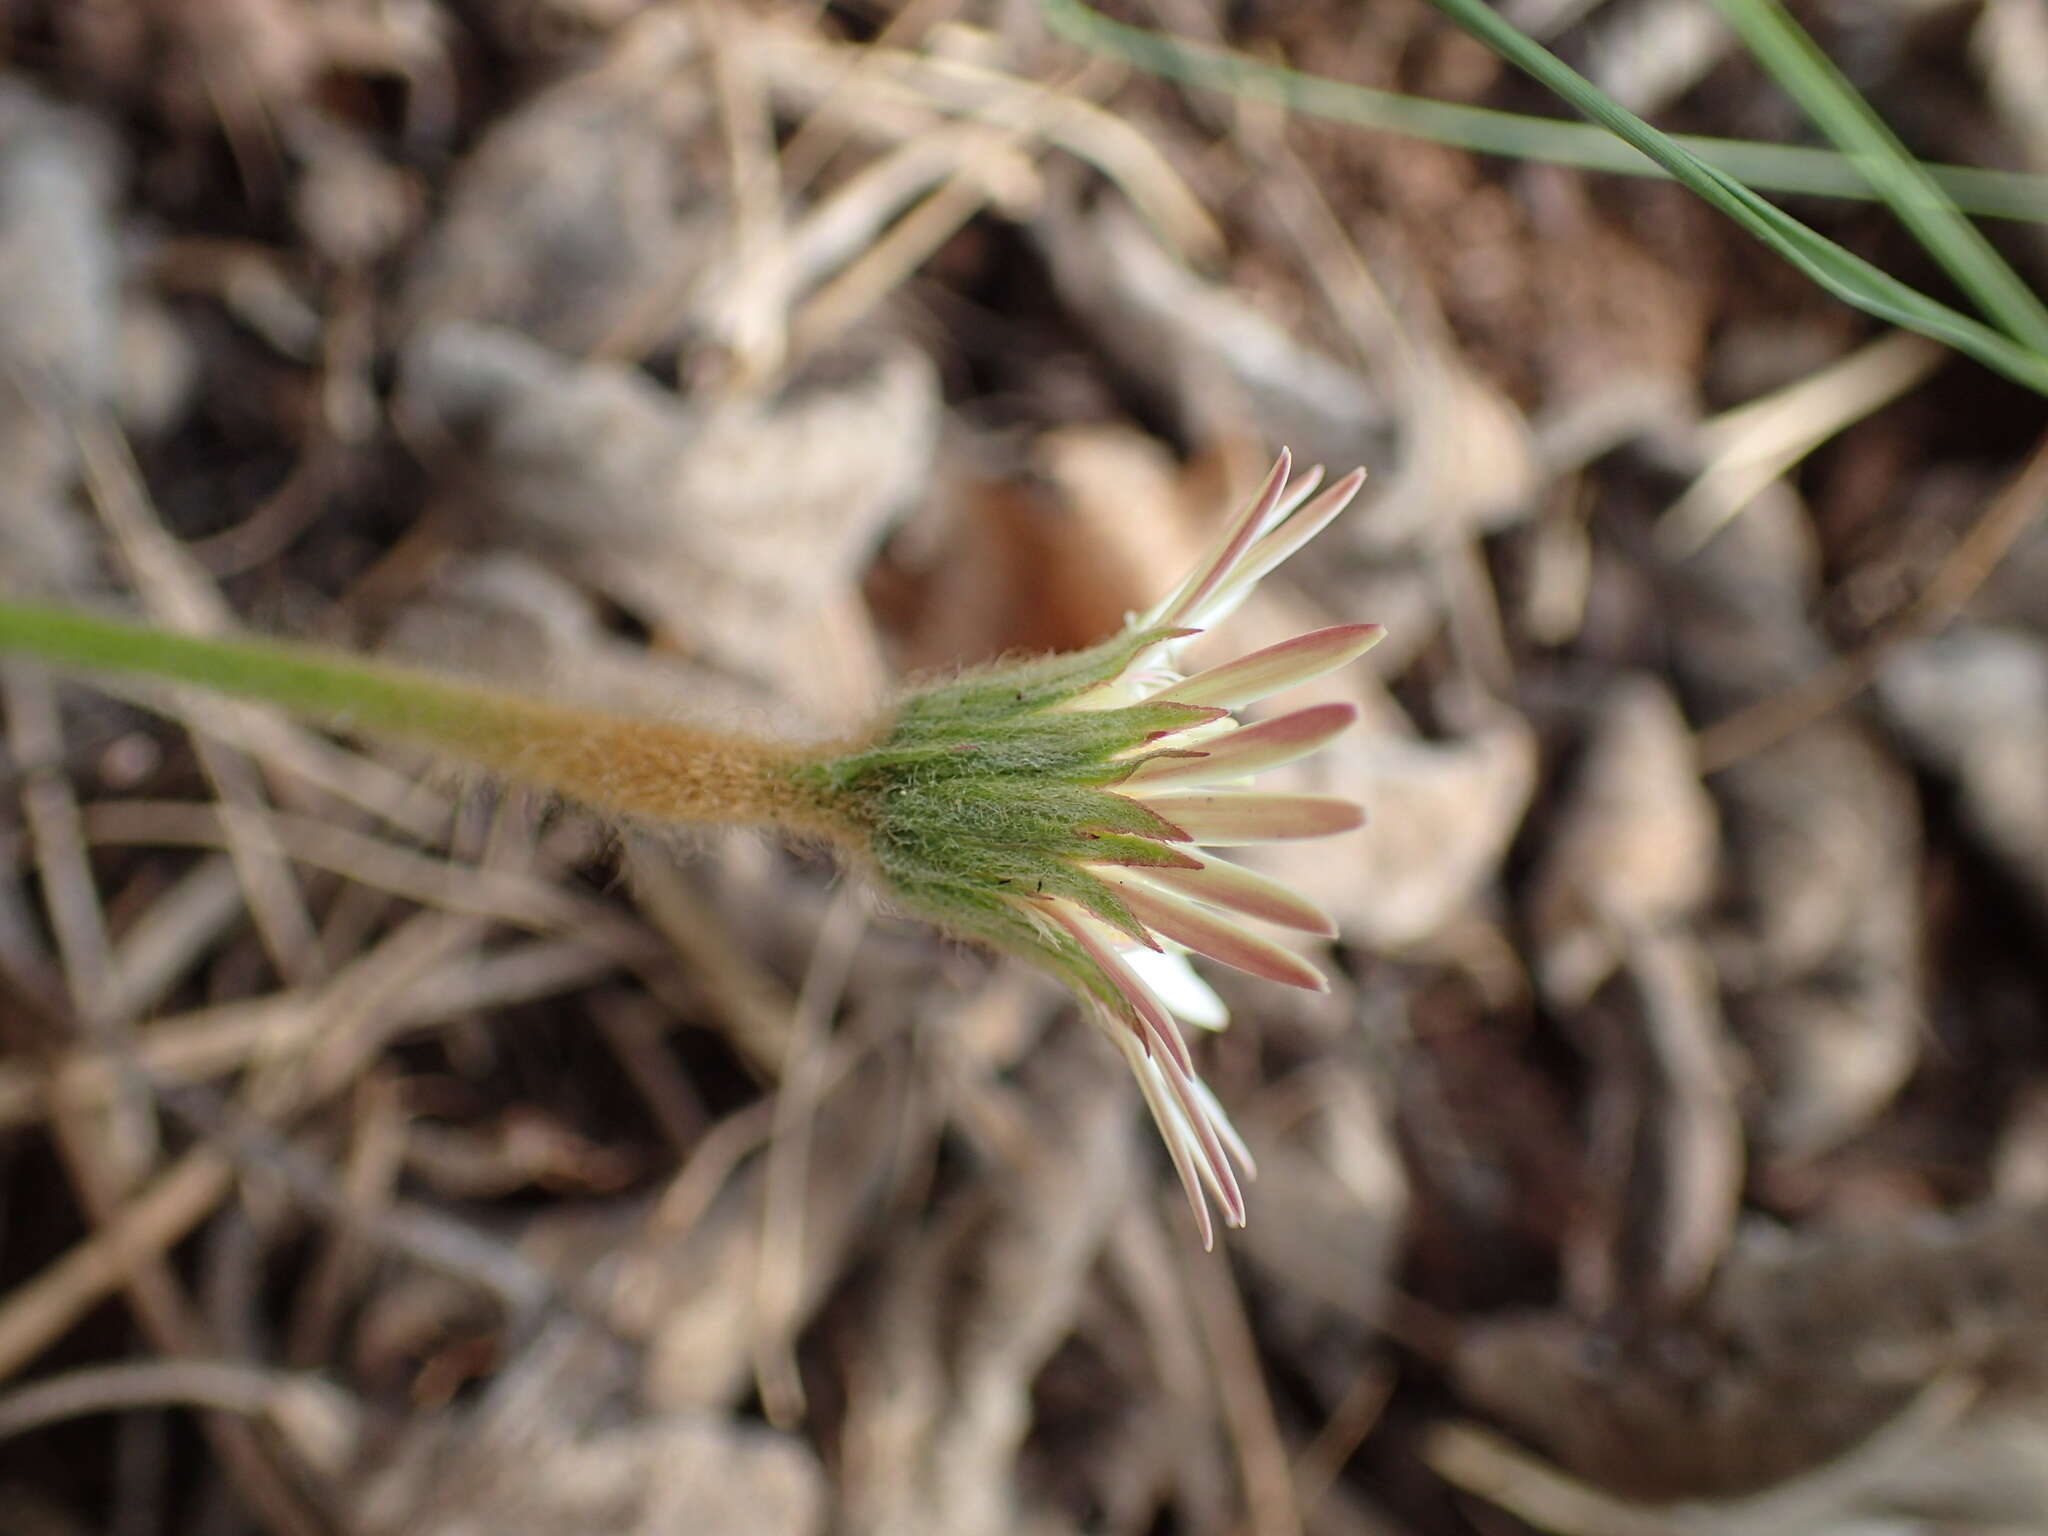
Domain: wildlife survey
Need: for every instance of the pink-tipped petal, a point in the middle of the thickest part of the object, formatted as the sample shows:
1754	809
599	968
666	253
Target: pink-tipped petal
1292	498
1251	750
1154	1023
1163	1039
1179	1145
1259	515
1271	550
1234	888
1223	818
1209	932
1214	1162
1263	673
1224	1129
1198	1134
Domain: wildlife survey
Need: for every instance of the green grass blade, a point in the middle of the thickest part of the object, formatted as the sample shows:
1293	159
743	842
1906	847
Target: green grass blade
1847	276
1826	96
1840	272
1787	168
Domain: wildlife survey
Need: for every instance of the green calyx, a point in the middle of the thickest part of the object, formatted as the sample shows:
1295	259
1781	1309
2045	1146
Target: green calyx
984	797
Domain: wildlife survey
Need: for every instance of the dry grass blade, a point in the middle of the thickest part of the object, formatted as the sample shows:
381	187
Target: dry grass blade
778	1279
1271	1502
163	944
754	1008
36	1312
175	588
1754	444
1321	1462
754	312
34	736
227	1386
375	1159
802	70
161	1213
412	1231
984	174
1967	567
215	1042
1482	1462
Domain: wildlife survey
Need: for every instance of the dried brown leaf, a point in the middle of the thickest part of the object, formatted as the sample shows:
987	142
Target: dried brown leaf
1634	845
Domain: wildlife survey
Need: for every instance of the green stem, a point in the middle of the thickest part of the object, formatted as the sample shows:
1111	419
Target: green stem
334	689
653	770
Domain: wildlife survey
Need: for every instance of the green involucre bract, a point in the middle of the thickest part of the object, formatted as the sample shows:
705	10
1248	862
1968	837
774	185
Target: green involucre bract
986	794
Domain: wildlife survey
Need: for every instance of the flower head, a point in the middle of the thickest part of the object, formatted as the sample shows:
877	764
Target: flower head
1062	808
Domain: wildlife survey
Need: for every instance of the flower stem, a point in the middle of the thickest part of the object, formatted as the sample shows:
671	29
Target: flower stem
652	770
